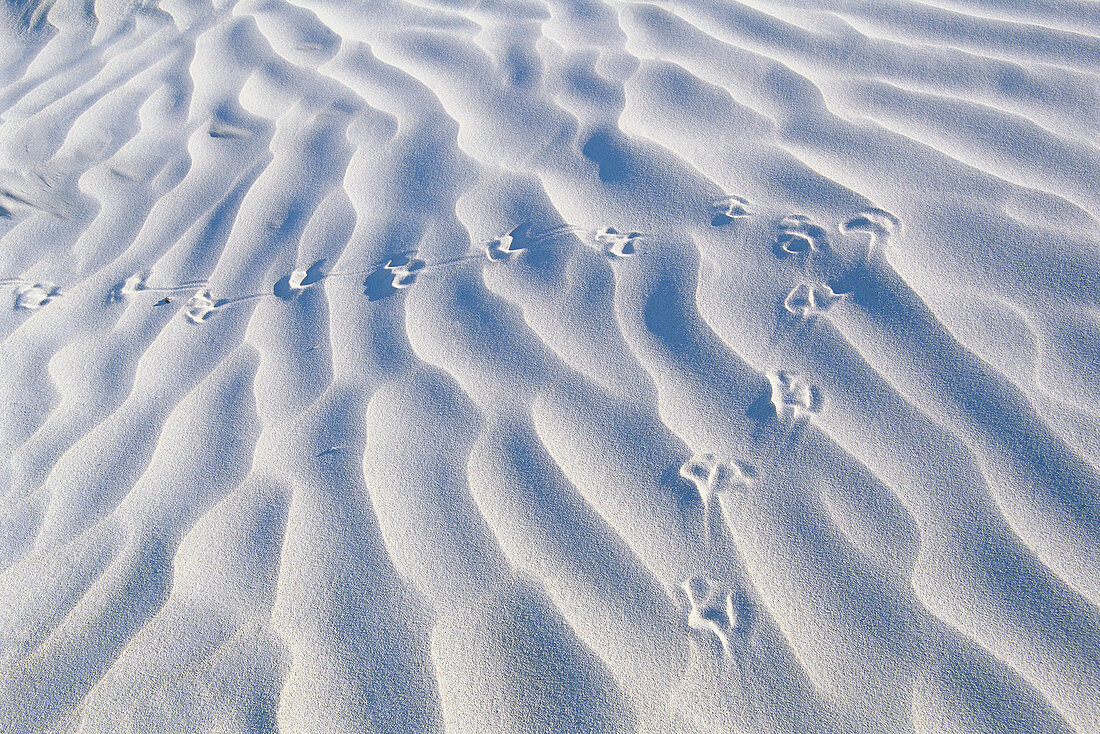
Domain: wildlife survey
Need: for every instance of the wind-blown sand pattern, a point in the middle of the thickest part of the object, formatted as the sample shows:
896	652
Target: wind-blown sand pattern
550	366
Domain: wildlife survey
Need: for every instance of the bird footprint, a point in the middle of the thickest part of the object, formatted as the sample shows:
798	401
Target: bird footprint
200	307
728	209
793	395
130	286
712	478
503	248
404	274
298	280
715	609
879	223
32	296
798	235
806	300
704	472
618	244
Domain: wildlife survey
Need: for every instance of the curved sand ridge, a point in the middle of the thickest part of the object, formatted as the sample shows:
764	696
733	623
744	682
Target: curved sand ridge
550	366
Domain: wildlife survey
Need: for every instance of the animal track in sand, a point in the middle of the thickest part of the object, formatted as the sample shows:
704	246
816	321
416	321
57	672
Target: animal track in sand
404	273
13	281
793	395
397	273
798	235
807	300
618	244
130	286
32	296
729	209
712	477
138	283
716	609
227	131
299	279
200	306
523	237
704	471
504	247
383	278
879	223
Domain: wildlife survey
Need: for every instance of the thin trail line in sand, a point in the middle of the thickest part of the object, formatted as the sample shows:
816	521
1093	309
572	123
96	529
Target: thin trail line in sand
173	288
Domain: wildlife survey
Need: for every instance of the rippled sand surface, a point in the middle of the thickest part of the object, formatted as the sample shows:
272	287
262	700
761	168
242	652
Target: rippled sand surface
550	366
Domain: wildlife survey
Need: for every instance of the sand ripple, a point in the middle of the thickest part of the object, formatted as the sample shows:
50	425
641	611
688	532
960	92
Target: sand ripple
548	366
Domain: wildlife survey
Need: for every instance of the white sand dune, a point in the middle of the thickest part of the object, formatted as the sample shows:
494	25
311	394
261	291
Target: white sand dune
550	366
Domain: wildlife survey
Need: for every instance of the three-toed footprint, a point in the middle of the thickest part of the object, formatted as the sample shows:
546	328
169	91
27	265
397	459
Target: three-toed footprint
31	296
807	299
798	235
879	223
792	395
705	472
618	244
711	476
404	270
716	609
130	286
728	209
299	280
200	306
506	246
